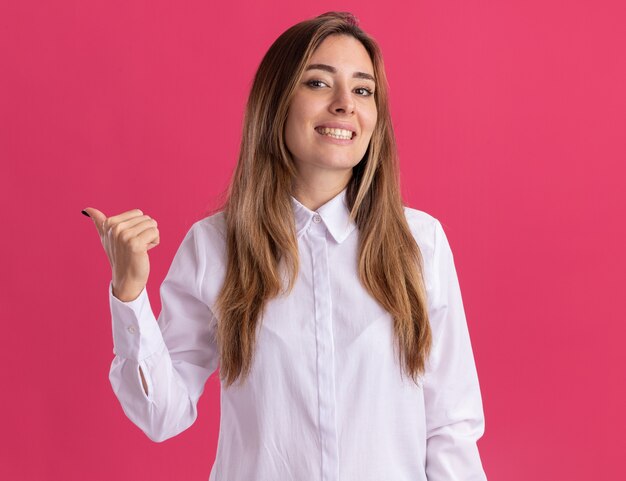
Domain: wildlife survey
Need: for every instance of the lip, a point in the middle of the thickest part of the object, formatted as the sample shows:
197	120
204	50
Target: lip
339	125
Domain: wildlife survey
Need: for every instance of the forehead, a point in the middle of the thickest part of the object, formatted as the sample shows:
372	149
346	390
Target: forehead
343	52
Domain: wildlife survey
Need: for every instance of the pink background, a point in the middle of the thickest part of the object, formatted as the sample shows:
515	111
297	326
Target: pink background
511	124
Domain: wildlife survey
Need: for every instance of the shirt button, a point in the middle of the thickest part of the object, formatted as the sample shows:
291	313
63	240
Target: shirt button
132	329
317	219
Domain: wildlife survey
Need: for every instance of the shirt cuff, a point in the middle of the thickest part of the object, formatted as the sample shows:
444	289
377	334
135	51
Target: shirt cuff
136	332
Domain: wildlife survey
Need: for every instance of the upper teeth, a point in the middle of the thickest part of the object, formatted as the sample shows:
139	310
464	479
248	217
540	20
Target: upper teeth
335	132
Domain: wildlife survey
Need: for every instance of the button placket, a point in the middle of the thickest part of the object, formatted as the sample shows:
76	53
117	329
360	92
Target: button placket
325	353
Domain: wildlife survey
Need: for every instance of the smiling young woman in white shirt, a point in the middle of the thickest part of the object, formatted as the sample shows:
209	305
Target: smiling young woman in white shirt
333	310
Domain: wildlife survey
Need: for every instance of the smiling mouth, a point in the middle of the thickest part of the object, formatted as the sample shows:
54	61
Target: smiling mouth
340	134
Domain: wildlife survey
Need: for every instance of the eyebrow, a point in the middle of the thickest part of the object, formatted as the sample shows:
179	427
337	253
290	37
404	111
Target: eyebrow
328	68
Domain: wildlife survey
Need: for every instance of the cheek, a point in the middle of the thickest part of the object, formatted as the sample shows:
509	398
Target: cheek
374	117
371	123
289	138
293	133
370	118
293	125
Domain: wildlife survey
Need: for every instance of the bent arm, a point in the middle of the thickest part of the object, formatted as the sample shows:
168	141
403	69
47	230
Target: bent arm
161	365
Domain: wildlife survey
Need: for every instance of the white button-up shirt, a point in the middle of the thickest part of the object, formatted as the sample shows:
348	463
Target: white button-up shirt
325	399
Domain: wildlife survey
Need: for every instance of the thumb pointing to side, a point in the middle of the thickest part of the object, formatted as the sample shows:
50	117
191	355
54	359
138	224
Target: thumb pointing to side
97	217
126	239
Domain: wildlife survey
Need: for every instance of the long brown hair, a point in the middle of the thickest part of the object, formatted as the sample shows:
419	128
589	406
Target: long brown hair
262	248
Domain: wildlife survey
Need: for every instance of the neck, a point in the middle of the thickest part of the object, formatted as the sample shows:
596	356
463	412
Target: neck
315	193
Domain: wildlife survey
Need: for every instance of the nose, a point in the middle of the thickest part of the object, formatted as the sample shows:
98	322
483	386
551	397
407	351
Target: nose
343	102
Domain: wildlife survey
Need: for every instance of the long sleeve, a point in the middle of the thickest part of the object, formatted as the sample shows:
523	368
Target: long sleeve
325	398
176	353
453	404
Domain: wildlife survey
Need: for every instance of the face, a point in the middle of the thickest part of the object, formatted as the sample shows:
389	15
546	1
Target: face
333	112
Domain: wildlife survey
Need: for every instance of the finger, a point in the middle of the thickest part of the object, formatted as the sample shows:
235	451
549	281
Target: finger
116	219
154	243
133	222
97	217
140	226
149	238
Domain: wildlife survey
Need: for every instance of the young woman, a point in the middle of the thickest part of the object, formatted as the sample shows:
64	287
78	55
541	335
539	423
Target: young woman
333	310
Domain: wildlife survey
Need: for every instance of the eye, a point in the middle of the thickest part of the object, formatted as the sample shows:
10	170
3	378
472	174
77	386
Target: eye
367	91
312	83
361	91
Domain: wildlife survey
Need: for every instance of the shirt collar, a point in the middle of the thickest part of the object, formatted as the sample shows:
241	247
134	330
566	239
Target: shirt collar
335	214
